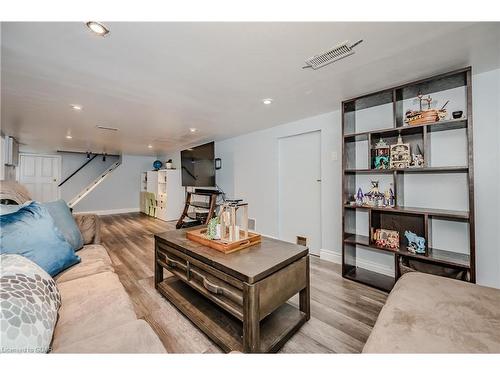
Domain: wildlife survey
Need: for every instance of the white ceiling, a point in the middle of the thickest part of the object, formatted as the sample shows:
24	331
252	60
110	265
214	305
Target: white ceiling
154	81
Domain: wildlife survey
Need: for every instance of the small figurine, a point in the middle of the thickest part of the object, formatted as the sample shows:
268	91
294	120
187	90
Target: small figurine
400	154
417	159
416	244
359	197
381	158
374	197
389	199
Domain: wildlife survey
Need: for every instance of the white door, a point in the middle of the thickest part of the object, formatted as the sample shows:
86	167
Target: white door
40	174
300	189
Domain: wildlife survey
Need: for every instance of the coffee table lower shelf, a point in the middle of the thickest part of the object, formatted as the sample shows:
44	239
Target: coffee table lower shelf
224	329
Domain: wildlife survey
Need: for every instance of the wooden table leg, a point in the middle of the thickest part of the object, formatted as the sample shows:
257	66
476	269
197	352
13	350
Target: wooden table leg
251	319
158	270
305	294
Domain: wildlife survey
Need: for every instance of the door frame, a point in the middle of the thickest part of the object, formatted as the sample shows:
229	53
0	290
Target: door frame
278	164
59	161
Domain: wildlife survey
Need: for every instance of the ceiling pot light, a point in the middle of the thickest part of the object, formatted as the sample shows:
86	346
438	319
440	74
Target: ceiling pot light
150	146
69	136
76	107
97	28
192	130
267	101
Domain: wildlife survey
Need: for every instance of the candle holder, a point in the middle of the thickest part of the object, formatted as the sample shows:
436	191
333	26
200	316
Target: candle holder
231	213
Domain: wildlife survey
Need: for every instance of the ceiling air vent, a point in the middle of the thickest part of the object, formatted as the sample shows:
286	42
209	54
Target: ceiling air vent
334	54
107	128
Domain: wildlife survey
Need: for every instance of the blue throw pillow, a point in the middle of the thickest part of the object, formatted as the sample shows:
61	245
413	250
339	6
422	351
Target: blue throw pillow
31	232
63	218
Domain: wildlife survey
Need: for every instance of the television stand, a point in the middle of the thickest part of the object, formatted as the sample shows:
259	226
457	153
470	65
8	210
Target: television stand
206	191
187	220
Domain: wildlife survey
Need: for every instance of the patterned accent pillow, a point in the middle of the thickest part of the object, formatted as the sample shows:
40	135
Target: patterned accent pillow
29	300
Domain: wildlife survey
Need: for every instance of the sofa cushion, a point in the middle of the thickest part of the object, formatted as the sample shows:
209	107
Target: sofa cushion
31	232
29	301
133	337
90	227
95	259
432	314
90	306
65	222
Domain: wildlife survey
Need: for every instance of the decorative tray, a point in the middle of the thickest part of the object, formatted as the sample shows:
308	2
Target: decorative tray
199	235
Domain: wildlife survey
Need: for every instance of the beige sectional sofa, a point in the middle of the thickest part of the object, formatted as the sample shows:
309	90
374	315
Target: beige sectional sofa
433	314
96	313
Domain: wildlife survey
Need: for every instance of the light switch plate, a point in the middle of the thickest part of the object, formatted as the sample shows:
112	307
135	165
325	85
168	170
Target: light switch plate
335	156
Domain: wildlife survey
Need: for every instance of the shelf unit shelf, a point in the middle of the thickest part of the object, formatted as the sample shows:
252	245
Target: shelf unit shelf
370	278
423	170
432	212
408	129
402	217
442	257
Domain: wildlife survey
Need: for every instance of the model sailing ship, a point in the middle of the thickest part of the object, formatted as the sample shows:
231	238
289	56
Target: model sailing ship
425	116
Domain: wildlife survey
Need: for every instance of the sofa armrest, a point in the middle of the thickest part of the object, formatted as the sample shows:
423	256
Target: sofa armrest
90	227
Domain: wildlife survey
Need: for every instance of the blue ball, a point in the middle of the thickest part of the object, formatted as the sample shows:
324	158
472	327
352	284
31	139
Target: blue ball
157	164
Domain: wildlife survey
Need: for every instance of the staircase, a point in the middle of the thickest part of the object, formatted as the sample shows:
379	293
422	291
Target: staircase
94	184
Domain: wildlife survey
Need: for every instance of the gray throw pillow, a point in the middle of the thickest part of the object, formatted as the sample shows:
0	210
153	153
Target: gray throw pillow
29	301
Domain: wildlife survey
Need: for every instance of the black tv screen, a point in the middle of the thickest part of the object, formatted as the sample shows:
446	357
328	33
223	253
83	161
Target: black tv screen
198	168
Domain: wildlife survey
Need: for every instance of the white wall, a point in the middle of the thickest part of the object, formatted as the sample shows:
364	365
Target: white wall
250	166
250	171
486	113
119	192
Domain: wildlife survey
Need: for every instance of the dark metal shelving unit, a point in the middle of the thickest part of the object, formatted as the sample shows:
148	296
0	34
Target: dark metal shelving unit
402	217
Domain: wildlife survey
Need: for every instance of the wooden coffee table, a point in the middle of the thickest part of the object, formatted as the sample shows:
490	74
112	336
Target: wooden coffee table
240	299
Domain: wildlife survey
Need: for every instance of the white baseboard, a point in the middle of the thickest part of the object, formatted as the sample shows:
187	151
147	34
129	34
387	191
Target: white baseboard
110	212
335	257
330	256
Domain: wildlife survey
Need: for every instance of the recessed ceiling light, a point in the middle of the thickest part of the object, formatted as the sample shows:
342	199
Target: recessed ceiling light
76	107
192	130
267	101
97	28
69	136
150	146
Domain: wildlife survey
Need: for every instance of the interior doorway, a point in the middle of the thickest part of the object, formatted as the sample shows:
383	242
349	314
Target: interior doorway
40	174
300	189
